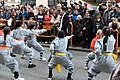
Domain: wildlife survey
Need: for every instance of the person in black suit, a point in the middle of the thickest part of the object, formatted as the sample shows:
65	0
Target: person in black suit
65	23
87	30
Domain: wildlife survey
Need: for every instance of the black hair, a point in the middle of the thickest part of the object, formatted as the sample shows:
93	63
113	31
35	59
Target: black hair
23	8
2	27
104	30
64	8
85	4
18	24
31	26
114	26
116	5
106	34
6	31
61	34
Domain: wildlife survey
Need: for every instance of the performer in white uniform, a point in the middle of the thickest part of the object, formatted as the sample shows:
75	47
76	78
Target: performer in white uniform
61	55
6	44
32	42
102	50
19	34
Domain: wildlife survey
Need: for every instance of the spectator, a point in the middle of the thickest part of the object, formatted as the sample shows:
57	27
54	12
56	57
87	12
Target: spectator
85	8
102	8
114	13
75	14
58	7
87	30
97	25
13	14
77	31
106	14
64	23
1	12
47	16
18	15
24	13
30	13
7	12
55	20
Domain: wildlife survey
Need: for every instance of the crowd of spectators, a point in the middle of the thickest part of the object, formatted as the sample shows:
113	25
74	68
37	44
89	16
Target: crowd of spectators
85	22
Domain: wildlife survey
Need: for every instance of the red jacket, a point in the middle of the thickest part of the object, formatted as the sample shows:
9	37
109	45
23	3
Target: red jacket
47	18
93	43
1	32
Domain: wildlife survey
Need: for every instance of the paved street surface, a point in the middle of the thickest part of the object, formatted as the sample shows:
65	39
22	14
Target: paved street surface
40	72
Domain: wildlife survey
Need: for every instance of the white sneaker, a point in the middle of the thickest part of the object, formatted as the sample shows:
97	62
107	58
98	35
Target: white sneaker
49	78
19	78
43	59
86	67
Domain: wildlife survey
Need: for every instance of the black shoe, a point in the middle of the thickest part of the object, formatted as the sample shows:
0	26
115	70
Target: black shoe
88	47
83	46
89	79
50	78
70	79
86	67
13	55
31	65
22	57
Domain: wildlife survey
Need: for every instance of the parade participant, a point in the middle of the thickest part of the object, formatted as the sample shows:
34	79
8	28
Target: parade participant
32	42
1	33
103	58
115	74
19	34
91	55
6	43
60	55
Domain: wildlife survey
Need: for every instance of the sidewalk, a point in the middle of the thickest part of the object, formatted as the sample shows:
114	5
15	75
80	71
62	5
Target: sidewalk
71	48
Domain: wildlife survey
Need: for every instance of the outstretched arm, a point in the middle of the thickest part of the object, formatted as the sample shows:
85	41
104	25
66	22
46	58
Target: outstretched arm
70	36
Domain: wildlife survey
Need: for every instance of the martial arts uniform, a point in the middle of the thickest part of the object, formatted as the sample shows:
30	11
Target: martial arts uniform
32	42
103	61
20	34
5	58
61	56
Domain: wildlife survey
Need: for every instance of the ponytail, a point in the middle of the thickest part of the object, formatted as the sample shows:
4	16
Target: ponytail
107	34
6	31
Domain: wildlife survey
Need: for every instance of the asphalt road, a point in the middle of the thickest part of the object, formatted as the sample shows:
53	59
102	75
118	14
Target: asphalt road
40	72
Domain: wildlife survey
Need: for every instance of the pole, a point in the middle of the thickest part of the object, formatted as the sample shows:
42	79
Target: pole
117	43
71	33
